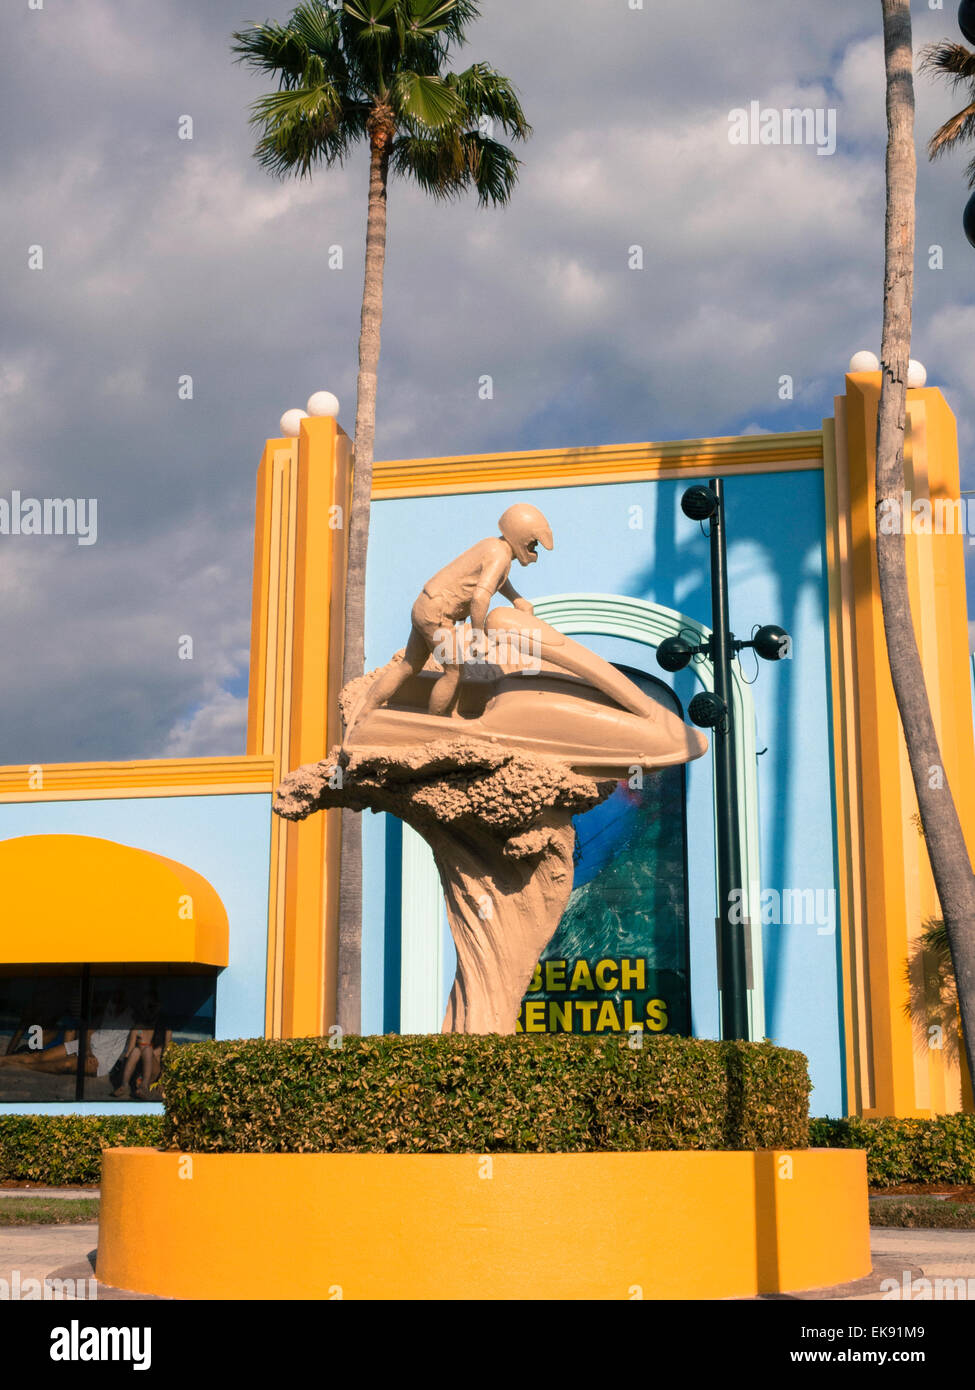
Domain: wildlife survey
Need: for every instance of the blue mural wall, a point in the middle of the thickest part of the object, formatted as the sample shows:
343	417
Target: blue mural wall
224	838
633	539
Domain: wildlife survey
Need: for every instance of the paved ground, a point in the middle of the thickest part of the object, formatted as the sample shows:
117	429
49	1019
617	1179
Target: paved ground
62	1253
37	1251
937	1255
901	1258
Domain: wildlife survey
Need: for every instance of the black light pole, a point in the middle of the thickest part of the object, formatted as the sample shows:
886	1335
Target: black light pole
716	711
734	985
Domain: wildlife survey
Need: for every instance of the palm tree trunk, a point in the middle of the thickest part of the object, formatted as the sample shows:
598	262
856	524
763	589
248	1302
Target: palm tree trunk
353	654
943	835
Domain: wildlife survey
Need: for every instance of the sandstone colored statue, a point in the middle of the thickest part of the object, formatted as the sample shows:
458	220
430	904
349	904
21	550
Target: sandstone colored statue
500	826
488	739
461	590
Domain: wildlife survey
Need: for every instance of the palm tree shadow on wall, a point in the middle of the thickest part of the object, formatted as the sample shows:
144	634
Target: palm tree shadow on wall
790	568
932	995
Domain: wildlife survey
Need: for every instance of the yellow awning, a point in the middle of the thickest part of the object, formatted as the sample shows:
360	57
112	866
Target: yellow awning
75	899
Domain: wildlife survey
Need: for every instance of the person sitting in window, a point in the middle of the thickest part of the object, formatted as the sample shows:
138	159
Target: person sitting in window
107	1042
145	1046
104	1045
161	1039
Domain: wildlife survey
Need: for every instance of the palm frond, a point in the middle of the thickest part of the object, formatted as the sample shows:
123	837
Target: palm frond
427	28
306	50
305	127
436	163
432	16
462	14
297	104
299	147
451	162
318	27
958	130
494	169
375	19
419	100
950	60
422	45
486	92
442	22
271	48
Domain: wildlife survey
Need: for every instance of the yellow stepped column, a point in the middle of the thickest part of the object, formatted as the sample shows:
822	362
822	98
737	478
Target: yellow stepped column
295	676
896	1064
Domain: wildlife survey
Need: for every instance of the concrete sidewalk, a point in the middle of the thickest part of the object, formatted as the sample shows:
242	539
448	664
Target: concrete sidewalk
934	1255
62	1253
36	1251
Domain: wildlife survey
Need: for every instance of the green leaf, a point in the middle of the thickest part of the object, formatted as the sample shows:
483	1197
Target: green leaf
426	101
486	92
372	16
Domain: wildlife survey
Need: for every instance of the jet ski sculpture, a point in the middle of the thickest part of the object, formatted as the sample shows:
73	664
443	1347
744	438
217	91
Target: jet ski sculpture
510	678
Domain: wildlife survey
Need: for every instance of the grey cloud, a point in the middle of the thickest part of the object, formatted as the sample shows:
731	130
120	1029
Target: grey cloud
166	257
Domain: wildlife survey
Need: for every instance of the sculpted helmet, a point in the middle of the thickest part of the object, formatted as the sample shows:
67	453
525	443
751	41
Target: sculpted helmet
524	528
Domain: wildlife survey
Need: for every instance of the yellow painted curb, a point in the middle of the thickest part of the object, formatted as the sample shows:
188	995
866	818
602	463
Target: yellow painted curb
466	1226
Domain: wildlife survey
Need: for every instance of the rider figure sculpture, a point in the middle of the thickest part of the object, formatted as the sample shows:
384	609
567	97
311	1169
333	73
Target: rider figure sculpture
461	590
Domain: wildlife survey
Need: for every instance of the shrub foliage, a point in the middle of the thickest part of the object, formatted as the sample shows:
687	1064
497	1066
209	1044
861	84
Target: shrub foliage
66	1150
941	1149
480	1094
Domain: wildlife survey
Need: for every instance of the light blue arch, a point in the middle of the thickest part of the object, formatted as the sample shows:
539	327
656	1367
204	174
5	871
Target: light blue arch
635	620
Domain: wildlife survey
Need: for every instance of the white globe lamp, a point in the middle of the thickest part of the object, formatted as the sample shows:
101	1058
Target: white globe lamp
864	361
291	423
323	403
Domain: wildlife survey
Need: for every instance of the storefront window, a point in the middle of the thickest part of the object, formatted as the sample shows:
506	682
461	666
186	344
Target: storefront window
38	1015
98	1033
620	956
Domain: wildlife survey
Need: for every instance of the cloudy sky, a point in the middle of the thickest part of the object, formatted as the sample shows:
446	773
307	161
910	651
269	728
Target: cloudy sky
164	257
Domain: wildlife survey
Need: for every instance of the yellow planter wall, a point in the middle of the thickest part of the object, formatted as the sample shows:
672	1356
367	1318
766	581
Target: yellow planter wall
466	1226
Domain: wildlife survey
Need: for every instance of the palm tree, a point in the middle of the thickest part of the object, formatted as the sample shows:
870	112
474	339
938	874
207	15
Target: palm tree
943	835
374	71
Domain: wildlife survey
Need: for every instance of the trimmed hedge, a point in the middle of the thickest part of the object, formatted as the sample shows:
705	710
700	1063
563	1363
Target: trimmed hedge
66	1150
941	1149
922	1214
559	1093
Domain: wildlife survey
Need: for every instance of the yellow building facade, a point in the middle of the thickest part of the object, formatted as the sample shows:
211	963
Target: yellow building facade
894	1063
890	1038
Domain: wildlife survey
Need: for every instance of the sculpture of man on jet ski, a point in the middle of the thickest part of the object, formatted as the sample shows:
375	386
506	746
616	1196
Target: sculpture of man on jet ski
461	590
537	689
